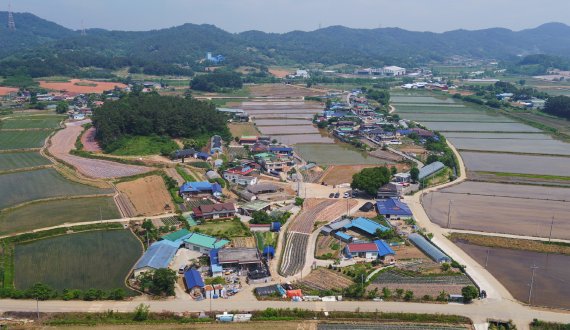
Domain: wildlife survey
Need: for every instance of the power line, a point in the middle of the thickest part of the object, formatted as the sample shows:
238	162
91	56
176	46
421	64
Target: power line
11	22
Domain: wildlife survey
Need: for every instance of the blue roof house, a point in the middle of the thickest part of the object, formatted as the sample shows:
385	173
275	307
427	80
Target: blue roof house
393	208
193	281
158	255
189	189
365	225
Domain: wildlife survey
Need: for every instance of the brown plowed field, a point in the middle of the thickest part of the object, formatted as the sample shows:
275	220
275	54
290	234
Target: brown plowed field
324	279
148	195
74	86
64	141
7	90
282	90
88	141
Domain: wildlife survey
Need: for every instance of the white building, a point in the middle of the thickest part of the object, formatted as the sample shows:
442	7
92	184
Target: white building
394	71
242	180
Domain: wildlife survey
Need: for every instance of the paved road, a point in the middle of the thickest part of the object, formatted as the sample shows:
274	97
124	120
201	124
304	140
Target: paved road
532	238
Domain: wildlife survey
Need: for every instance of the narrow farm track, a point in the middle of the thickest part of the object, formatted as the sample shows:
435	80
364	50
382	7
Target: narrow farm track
125	206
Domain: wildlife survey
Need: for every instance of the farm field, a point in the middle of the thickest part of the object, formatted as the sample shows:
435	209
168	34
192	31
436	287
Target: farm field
282	122
336	154
22	139
241	129
303	139
294	253
496	136
32	122
421	285
264	239
77	86
16	160
40	184
64	141
325	279
513	269
511	163
509	190
223	228
457	117
8	90
148	195
57	212
88	141
519	215
420	99
338	174
282	91
551	146
284	130
480	127
97	259
306	116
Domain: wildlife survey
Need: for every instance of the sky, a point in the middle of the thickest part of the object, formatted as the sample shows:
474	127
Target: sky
307	15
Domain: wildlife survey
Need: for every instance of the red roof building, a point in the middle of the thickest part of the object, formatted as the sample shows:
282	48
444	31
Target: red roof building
215	211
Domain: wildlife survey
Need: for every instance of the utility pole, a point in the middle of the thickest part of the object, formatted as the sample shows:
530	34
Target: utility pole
11	22
38	308
534	268
487	258
449	215
551	225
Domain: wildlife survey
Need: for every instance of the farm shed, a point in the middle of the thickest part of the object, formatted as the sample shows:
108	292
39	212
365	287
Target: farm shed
239	257
393	208
158	255
275	227
367	207
334	226
193	281
428	248
177	237
245	195
269	251
270	290
253	206
389	190
430	169
212	175
365	225
263	188
204	243
184	153
343	236
215	267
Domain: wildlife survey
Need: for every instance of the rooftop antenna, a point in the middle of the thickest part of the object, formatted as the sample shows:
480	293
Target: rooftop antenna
11	23
83	33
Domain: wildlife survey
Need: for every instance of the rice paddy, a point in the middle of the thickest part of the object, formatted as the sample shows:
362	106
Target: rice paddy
97	259
31	122
512	163
10	140
13	161
57	212
336	154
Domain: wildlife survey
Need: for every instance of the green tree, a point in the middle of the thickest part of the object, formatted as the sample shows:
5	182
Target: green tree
62	107
163	280
141	312
409	295
299	201
40	291
393	170
386	293
370	179
469	293
414	174
399	292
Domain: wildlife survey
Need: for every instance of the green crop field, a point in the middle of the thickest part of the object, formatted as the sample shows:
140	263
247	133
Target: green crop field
22	139
144	145
11	161
16	188
57	212
32	122
96	259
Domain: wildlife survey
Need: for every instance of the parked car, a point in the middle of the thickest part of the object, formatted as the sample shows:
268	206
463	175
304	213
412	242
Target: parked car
337	195
331	195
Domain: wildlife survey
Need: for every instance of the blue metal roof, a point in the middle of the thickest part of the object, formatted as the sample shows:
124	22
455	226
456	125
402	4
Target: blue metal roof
158	255
366	225
281	149
200	187
268	250
343	235
214	263
428	248
383	248
193	279
393	206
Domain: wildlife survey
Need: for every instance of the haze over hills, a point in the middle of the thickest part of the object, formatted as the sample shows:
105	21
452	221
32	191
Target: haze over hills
38	42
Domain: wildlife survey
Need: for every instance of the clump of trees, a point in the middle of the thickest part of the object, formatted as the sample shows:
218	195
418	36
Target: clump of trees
152	114
159	282
558	106
370	179
262	217
217	81
41	291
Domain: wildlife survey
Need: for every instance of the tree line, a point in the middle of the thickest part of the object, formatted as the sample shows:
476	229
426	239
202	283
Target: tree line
153	114
558	106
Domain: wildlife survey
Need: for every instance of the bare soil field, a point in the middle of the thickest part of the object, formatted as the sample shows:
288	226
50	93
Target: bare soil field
338	174
325	279
513	269
284	130
386	155
246	242
88	141
323	246
336	154
509	178
528	216
322	210
282	91
511	163
280	72
64	141
77	86
421	285
7	90
148	195
241	129
510	243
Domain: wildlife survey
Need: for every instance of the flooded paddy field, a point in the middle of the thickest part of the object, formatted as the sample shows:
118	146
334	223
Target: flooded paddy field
302	138
256	116
536	146
336	154
282	91
509	190
510	163
282	130
420	99
527	213
491	135
480	127
458	117
282	122
513	269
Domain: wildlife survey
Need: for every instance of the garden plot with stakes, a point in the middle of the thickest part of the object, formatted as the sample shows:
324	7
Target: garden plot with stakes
96	259
57	212
325	279
27	186
420	285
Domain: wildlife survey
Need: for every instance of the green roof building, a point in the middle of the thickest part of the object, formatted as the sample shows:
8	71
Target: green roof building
204	243
177	236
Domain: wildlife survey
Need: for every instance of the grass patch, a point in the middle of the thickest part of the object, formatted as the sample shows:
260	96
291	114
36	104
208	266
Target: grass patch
96	259
32	122
57	212
142	146
530	176
184	174
227	229
512	243
264	239
10	140
16	160
16	188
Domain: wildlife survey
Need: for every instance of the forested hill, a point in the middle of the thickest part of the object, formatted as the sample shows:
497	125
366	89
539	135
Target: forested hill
168	50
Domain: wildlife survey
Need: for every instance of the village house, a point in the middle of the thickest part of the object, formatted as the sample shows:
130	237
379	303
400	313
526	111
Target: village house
378	249
214	211
393	208
242	175
200	189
